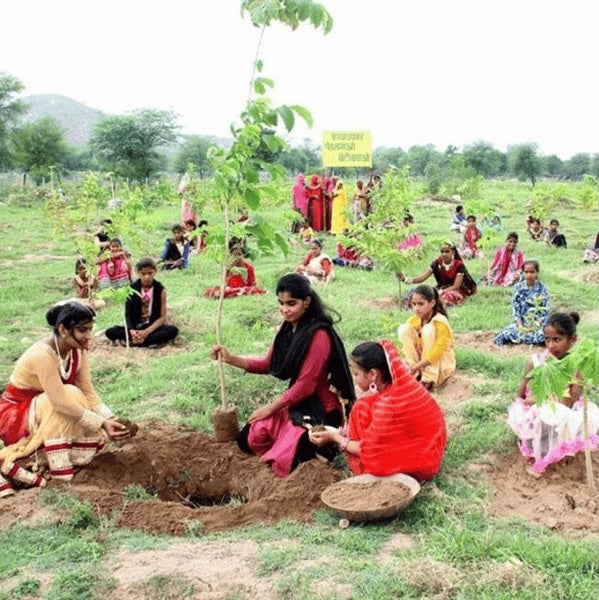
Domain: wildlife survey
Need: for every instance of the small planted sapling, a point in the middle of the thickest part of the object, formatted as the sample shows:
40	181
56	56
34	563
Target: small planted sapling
380	234
237	172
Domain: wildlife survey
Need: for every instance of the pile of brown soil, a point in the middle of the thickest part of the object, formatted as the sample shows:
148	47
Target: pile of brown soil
484	340
559	499
198	484
371	495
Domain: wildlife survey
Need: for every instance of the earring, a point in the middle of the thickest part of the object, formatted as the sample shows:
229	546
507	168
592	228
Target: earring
372	387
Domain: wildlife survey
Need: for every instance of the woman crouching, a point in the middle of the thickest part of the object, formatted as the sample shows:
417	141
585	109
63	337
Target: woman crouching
50	403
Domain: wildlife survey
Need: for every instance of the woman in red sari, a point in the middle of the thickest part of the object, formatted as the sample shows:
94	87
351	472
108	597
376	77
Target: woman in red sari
454	282
316	203
395	428
308	352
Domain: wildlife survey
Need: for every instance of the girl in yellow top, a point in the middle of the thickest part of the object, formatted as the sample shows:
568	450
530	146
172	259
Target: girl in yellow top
427	338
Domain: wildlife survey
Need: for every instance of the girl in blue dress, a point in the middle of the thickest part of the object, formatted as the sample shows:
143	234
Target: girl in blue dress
530	309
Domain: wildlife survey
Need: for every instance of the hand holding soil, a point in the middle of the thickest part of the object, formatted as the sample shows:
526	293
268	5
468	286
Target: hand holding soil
321	437
127	428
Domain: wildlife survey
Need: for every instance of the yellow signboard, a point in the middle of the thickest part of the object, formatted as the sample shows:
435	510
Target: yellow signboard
346	149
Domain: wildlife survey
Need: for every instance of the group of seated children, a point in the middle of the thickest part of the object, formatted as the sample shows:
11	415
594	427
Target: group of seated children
550	235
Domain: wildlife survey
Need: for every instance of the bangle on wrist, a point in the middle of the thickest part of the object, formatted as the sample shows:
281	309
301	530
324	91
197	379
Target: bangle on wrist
343	443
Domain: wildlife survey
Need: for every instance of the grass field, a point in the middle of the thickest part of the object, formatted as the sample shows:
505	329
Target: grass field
447	544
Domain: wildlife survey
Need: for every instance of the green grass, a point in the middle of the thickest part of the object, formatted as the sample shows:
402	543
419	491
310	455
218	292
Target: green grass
460	550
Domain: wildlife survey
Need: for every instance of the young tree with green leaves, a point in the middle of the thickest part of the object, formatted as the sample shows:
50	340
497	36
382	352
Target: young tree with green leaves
579	367
237	172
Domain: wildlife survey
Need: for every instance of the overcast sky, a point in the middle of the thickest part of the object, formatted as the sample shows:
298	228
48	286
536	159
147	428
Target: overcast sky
432	71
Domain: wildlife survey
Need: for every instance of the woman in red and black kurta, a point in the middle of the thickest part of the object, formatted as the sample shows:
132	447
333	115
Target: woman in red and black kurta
308	352
395	428
454	282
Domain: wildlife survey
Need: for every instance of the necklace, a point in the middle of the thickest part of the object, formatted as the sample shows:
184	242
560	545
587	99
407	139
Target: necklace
65	365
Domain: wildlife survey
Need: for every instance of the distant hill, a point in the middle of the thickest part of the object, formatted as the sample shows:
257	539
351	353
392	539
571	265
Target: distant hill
75	118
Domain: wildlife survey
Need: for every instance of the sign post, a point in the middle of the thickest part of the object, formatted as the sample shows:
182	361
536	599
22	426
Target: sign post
346	149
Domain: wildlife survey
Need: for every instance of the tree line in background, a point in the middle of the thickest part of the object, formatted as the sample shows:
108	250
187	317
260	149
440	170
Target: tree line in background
133	146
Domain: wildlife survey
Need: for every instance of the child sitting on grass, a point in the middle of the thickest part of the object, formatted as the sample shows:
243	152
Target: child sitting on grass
145	311
114	268
427	338
175	254
472	234
458	221
241	276
85	286
553	430
306	232
507	265
553	237
530	304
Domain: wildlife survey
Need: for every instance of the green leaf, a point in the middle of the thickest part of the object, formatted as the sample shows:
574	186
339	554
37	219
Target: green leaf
271	118
287	116
252	197
259	65
304	113
265	81
251	175
270	191
281	242
273	142
258	87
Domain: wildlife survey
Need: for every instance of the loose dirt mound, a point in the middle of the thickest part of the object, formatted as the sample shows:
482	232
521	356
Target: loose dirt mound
559	499
483	340
103	349
386	303
26	506
199	484
454	391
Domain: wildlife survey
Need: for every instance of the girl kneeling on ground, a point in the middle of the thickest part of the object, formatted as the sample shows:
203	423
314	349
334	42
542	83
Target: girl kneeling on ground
554	429
308	352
